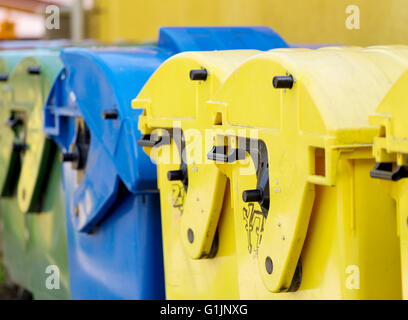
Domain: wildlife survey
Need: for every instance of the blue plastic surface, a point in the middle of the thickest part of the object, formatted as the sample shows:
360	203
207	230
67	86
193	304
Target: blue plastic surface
113	207
180	39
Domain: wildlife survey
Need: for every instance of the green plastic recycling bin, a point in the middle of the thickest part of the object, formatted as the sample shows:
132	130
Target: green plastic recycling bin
32	203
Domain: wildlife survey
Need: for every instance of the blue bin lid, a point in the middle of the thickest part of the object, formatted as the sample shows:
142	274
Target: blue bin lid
180	39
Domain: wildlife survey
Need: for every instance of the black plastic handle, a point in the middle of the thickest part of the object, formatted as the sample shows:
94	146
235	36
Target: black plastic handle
110	114
176	175
219	154
35	70
19	147
13	122
199	75
252	195
69	157
383	170
148	140
283	82
4	77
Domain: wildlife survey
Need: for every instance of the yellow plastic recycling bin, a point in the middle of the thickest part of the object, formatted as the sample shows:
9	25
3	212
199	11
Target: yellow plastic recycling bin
214	276
308	218
390	150
273	198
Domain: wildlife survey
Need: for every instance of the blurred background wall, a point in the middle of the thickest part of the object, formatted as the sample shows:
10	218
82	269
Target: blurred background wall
298	21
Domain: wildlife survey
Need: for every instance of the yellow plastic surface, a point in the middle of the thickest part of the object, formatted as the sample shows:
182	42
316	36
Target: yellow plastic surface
391	145
298	21
327	216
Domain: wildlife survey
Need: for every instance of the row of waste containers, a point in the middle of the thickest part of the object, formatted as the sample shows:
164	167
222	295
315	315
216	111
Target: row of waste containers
217	164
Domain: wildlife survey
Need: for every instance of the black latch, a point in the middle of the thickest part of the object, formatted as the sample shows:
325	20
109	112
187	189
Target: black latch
14	122
218	153
35	70
384	171
283	82
110	114
198	75
261	193
4	77
151	141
